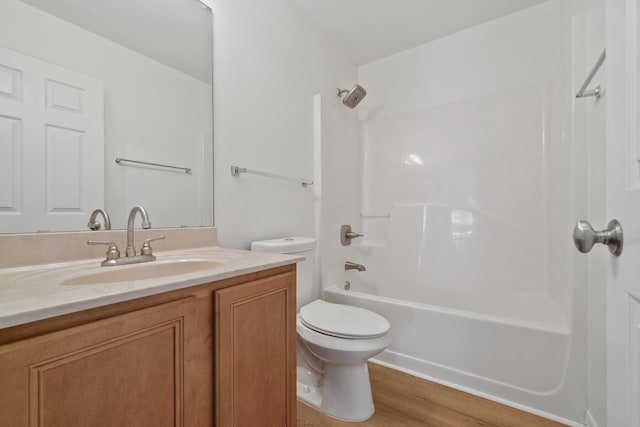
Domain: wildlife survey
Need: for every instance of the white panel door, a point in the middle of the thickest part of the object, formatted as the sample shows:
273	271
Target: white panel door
622	95
51	145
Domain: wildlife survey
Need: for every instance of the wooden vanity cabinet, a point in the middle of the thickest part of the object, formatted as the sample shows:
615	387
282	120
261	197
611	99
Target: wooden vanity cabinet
217	354
256	353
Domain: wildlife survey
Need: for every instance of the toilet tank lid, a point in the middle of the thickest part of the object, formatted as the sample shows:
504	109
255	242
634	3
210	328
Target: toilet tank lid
285	245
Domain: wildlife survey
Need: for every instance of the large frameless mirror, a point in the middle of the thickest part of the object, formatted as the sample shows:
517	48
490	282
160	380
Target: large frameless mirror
84	82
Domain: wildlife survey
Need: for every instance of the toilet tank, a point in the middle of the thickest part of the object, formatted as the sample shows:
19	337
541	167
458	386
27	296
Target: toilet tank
303	246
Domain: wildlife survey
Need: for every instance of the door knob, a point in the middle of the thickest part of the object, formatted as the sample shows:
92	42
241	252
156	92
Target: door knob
584	237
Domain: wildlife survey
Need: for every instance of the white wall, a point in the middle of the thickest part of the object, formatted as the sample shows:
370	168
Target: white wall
270	61
339	144
152	113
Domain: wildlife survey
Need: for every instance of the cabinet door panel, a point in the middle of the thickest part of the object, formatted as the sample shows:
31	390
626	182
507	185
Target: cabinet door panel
131	369
255	357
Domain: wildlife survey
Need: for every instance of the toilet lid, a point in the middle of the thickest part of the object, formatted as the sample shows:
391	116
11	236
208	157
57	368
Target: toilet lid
343	321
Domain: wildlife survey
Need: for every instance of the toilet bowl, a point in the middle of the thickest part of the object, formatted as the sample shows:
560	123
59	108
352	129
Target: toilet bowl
334	342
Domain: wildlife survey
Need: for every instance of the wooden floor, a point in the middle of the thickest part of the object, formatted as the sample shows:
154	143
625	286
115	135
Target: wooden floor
406	401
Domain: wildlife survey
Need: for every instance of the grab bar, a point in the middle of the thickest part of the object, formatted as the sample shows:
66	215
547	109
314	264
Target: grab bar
236	171
597	92
119	160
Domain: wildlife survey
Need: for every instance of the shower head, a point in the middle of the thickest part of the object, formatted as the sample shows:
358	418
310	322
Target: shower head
354	96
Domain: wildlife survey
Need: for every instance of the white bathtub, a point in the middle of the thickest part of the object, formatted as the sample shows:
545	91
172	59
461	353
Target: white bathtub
516	355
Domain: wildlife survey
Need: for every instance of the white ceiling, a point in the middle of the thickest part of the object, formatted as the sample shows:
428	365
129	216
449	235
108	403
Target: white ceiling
177	33
372	29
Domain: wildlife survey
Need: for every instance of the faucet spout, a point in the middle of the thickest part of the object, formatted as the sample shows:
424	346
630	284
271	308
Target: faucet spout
353	266
94	225
131	249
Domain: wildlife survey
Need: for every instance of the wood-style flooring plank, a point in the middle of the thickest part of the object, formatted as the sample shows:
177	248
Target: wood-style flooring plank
403	400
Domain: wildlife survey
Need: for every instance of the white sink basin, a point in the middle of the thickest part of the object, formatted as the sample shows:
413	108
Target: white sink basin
143	271
91	273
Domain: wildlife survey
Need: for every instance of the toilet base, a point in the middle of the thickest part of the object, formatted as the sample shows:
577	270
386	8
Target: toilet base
344	392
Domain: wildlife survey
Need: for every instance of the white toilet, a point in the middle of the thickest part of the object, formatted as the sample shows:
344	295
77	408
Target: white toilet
334	342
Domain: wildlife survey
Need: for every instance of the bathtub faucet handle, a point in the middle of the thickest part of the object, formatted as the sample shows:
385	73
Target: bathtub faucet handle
346	235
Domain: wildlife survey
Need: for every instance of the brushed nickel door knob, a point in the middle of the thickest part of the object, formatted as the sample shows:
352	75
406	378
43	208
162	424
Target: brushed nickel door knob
584	237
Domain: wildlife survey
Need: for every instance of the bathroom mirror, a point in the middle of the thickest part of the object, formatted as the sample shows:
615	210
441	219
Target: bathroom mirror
83	82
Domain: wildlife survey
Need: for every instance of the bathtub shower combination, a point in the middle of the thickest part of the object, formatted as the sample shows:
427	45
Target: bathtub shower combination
447	324
465	172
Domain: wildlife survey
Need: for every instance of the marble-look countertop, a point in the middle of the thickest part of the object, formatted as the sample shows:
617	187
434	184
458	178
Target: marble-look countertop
39	292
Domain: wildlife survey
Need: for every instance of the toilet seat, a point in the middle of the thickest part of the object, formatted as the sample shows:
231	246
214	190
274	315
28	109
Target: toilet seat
343	321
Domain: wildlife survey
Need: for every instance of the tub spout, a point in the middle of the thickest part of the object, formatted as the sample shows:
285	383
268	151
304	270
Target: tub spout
353	266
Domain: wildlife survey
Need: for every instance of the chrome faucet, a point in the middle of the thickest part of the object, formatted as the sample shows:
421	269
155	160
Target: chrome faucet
146	253
94	225
131	250
353	266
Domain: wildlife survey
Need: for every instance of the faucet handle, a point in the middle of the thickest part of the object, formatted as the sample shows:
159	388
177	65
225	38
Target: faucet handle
346	235
352	235
146	247
112	253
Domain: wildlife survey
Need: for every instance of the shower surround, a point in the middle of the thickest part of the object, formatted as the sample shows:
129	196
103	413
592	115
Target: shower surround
465	185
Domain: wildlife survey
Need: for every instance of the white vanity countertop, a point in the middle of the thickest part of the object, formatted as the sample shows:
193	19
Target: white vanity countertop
38	292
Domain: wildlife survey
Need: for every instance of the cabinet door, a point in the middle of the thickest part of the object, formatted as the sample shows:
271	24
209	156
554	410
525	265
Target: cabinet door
130	370
256	353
